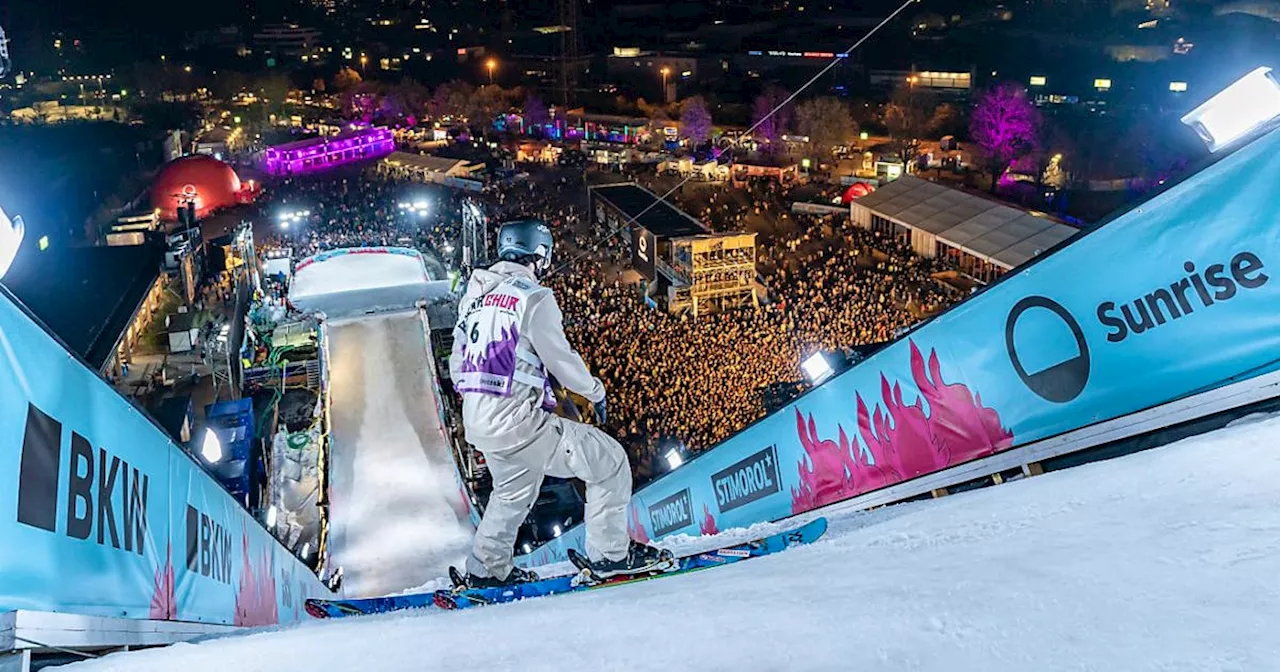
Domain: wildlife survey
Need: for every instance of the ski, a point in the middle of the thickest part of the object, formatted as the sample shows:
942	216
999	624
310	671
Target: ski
449	599
329	608
776	543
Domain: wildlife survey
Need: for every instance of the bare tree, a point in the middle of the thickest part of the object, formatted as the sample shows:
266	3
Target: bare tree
826	122
907	118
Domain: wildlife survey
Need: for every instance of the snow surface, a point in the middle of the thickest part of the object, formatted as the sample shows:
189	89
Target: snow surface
1164	560
355	283
397	510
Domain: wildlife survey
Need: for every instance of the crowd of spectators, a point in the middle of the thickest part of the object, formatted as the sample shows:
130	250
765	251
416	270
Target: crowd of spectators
679	382
673	381
357	211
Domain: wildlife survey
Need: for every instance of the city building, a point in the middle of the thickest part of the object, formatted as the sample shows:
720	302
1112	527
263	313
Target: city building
957	83
322	153
427	168
982	237
287	39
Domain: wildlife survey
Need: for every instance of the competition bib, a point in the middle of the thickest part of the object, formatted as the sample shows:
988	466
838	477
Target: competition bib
490	328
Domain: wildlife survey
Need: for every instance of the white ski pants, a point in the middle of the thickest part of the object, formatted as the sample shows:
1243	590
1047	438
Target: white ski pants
564	449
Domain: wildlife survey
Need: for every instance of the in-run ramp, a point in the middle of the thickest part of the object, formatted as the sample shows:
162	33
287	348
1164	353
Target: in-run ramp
398	515
1163	560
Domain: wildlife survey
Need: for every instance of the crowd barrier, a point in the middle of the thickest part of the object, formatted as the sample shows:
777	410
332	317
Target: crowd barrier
330	254
1169	299
101	514
363	299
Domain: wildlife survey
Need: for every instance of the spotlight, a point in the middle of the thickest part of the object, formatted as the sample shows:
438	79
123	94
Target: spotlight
1248	104
211	449
674	459
817	368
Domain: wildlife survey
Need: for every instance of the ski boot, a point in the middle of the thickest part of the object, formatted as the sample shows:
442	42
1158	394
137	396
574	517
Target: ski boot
640	560
469	581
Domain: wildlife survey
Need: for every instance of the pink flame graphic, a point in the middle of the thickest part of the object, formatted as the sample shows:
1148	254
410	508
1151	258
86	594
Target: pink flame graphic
961	425
635	528
831	472
256	599
708	522
162	602
900	434
901	441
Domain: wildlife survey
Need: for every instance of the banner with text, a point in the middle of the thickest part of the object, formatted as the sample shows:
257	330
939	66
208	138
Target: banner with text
102	514
1174	297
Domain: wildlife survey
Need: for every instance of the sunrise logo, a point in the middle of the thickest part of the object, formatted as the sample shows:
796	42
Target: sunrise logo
1063	381
11	232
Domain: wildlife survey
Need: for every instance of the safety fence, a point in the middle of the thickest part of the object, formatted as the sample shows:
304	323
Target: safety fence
1167	300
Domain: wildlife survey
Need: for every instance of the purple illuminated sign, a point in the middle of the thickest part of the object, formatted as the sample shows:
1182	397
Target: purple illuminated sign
311	156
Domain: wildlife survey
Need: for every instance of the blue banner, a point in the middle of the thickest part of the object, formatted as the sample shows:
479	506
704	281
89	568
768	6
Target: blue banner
101	514
1171	298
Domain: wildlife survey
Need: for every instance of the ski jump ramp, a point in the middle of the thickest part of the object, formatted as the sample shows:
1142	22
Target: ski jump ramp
399	518
399	514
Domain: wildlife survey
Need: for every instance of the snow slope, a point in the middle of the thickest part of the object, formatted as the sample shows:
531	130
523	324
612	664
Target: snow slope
1164	560
398	517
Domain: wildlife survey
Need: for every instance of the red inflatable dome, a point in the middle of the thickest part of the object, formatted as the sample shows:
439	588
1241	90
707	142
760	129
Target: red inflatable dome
855	191
209	182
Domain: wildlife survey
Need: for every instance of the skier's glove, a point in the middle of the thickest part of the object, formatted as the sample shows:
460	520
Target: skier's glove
601	411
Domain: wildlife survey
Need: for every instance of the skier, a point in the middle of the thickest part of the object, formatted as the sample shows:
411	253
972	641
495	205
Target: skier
508	343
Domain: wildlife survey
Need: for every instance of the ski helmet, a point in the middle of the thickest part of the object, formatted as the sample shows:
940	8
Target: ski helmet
526	241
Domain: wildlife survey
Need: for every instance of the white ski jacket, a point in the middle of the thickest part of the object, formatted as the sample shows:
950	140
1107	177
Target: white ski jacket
509	338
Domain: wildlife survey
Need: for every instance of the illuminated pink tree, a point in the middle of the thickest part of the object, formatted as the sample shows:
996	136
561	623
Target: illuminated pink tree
695	121
535	113
770	125
1005	126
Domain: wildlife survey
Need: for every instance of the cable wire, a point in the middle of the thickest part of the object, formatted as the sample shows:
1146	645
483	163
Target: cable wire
663	198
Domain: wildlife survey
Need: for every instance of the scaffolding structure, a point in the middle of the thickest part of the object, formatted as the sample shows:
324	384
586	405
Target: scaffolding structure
714	272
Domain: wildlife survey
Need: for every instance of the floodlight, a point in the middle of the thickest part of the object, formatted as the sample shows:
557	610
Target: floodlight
674	460
11	233
271	516
1249	103
211	450
555	530
817	368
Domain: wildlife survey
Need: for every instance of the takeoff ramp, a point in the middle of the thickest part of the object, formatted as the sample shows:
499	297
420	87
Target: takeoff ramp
399	518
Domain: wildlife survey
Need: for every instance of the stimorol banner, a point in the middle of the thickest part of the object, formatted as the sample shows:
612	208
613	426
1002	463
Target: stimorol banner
101	514
1174	297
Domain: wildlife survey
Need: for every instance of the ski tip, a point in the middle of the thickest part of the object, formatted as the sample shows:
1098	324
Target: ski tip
315	610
